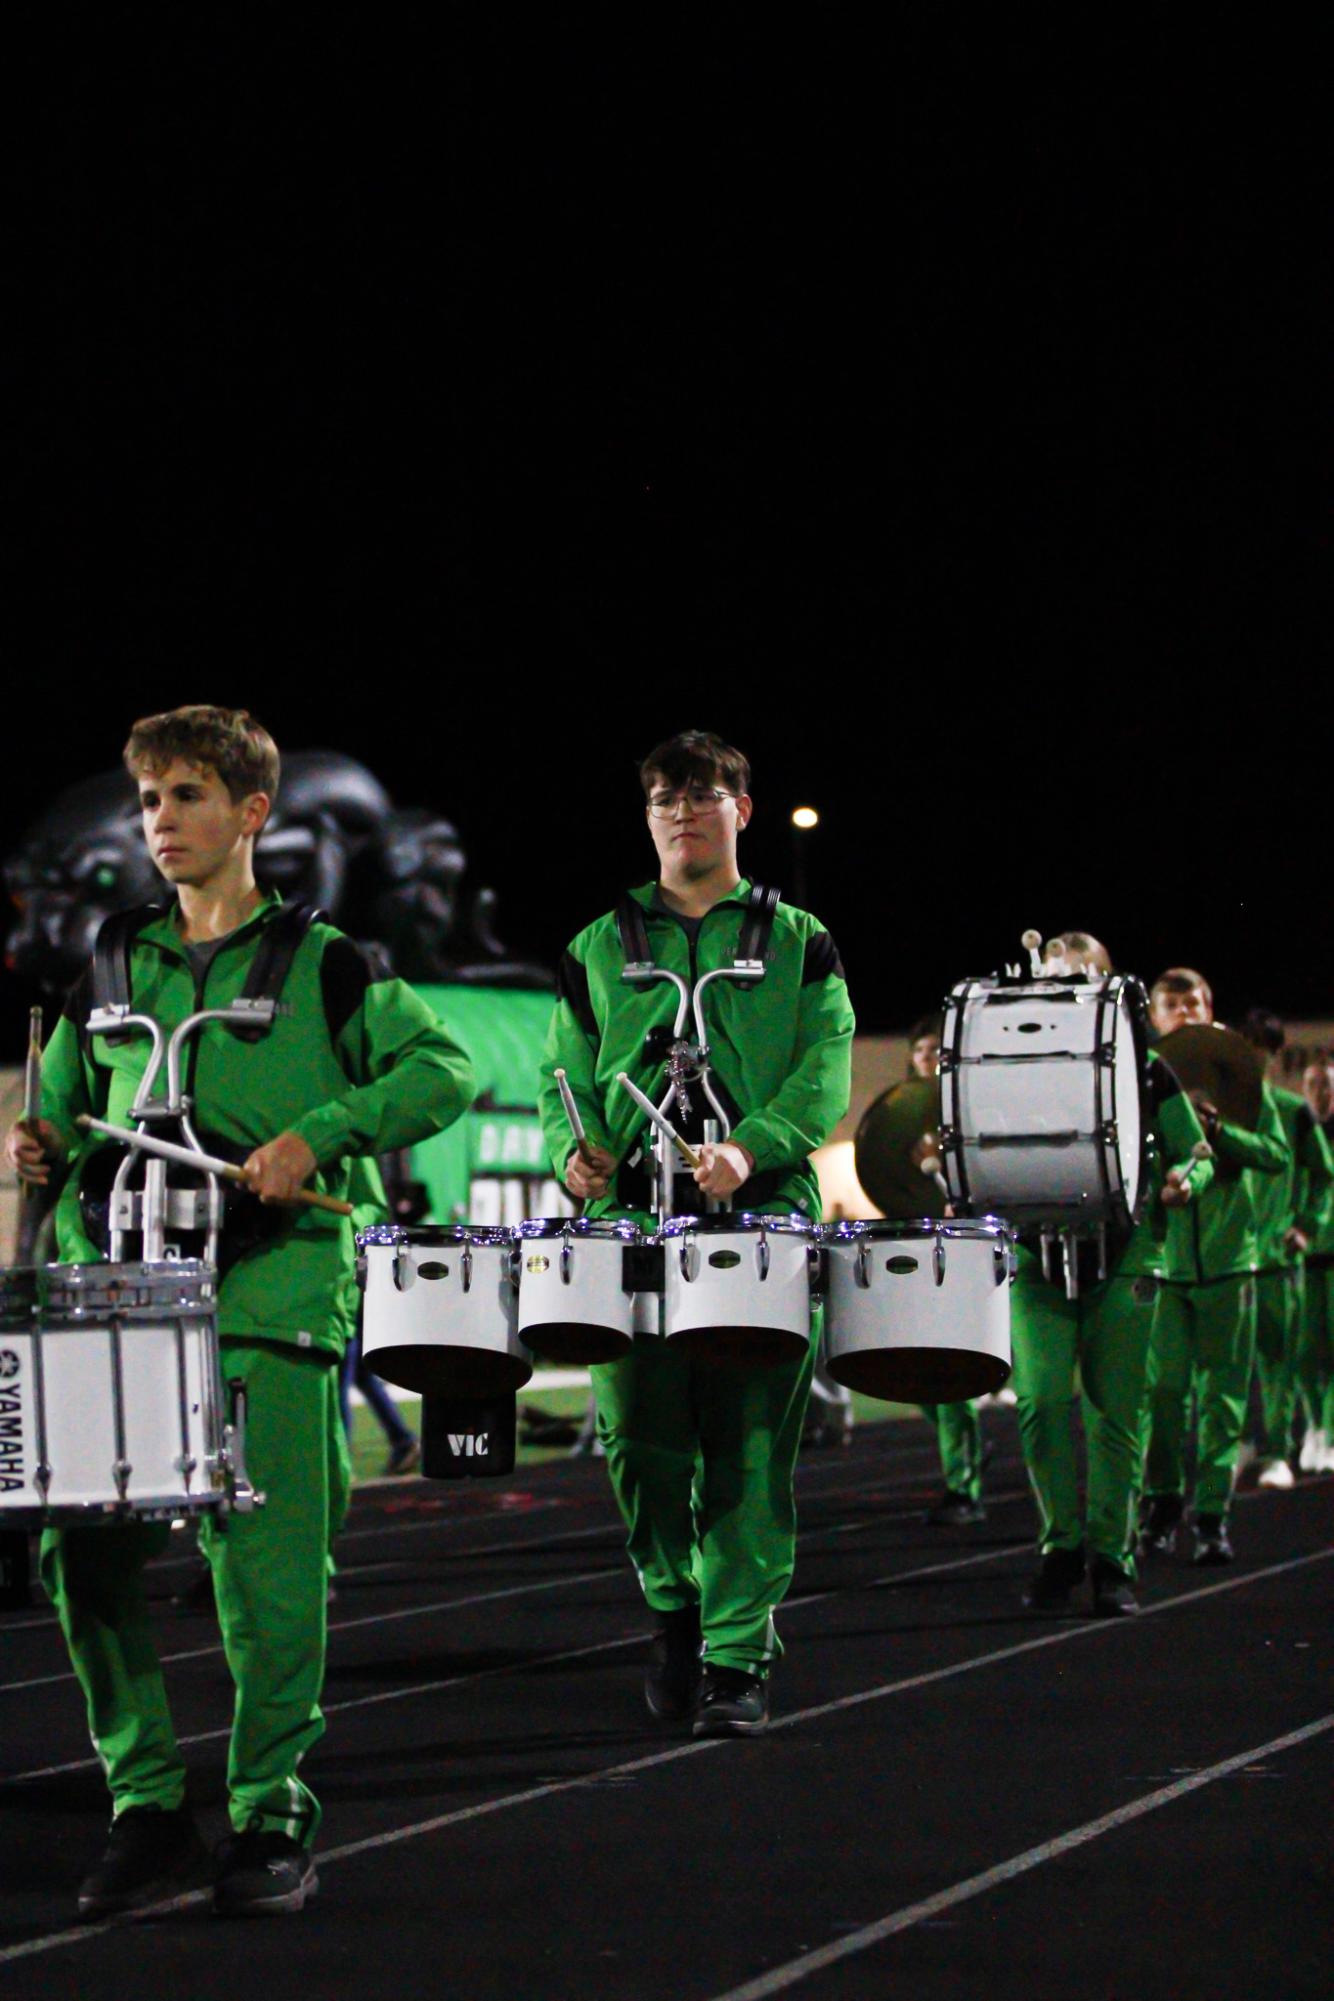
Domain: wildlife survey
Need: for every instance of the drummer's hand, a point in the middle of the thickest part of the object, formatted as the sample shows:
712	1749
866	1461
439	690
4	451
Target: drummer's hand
276	1171
1176	1191
31	1148
723	1166
589	1183
1208	1113
1296	1241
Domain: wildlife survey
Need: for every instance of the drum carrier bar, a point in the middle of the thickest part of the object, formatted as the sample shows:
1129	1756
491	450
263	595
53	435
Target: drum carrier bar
687	1061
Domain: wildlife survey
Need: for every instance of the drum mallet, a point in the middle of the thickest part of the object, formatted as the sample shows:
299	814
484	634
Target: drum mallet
1032	944
32	1085
582	1147
932	1167
1180	1176
650	1111
206	1163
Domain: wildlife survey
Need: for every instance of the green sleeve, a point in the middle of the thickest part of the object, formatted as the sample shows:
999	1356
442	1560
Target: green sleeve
814	1096
572	1048
1315	1180
1179	1133
65	1092
407	1078
1266	1150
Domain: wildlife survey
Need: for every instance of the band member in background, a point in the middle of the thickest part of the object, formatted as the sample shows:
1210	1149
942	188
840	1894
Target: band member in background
1204	1315
354	1064
1104	1335
701	1456
1288	1210
1315	1346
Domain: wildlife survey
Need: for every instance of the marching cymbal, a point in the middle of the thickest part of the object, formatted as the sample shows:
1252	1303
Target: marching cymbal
891	1127
1227	1068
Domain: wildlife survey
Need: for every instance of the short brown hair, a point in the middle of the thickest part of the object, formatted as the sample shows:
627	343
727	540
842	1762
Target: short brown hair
228	741
696	757
1181	980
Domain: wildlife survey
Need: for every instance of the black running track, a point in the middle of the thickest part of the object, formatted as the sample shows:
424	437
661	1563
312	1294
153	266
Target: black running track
955	1799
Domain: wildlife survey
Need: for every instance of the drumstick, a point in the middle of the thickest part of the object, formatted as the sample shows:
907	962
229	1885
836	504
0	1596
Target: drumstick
651	1111
1180	1176
32	1085
307	1198
576	1123
932	1168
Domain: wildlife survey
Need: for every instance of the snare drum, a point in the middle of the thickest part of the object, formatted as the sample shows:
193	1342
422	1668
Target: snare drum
574	1303
739	1287
1041	1091
109	1392
441	1312
919	1312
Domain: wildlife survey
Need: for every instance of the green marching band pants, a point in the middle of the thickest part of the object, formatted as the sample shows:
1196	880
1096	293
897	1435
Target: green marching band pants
1203	1337
1278	1320
1315	1348
1105	1333
959	1436
701	1457
270	1584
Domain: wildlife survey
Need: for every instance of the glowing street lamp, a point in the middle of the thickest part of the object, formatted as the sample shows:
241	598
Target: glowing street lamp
804	818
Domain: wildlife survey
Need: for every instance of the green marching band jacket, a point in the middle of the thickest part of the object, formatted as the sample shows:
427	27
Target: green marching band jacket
1216	1235
355	1063
780	1048
1300	1195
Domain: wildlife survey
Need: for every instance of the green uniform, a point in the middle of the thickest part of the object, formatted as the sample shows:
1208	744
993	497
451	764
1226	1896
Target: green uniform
1104	1334
355	1064
1204	1321
1282	1202
701	1458
1315	1341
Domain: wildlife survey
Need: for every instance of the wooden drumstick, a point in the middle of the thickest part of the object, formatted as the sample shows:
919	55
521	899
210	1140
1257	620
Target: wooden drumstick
651	1111
32	1087
207	1163
584	1150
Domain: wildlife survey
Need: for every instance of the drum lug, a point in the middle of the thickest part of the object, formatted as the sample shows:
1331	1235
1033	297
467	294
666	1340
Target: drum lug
1109	1132
689	1259
402	1268
815	1269
466	1266
1107	1053
240	1494
938	1260
862	1274
566	1259
121	1471
762	1256
1001	1257
360	1269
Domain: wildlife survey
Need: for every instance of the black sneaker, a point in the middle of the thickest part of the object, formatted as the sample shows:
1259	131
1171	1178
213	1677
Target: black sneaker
731	1703
261	1874
1113	1592
955	1510
151	1853
672	1681
1211	1541
1160	1518
1056	1577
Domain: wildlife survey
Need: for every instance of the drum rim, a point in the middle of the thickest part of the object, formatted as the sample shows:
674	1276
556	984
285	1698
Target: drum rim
884	1229
431	1234
741	1222
621	1229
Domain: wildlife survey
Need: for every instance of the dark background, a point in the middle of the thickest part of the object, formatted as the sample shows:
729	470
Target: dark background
946	425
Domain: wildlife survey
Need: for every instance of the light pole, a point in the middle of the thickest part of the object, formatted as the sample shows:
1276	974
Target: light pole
804	818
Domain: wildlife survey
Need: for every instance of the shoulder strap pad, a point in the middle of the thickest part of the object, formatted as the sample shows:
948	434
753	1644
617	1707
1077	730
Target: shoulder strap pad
278	946
758	922
111	955
634	932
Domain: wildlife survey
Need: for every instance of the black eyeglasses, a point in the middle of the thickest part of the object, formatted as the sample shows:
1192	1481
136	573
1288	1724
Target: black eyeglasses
699	798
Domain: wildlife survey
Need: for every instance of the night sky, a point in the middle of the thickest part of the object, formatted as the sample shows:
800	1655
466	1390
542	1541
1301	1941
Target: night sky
950	433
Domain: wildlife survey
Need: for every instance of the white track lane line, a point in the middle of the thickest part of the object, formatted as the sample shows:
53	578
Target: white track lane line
696	1748
637	1638
781	1978
537	1546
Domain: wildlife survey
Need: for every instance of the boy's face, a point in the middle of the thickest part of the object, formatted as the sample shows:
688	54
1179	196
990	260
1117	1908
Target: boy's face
698	833
1318	1084
925	1056
1169	1011
192	825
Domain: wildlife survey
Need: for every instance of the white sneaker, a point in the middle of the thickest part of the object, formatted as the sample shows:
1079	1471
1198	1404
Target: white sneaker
1314	1447
1275	1473
1242	1464
1325	1463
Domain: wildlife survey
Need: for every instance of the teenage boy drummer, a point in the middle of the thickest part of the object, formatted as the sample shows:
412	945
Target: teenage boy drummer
354	1064
701	1456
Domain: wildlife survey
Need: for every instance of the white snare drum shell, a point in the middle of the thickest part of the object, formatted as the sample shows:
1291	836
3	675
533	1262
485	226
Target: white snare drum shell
440	1311
739	1288
915	1315
573	1305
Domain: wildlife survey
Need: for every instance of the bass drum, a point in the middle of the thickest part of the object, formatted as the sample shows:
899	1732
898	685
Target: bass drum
919	1312
1042	1087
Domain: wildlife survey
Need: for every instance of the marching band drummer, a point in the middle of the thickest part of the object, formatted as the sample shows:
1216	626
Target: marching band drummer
701	1456
1104	1332
1204	1315
354	1064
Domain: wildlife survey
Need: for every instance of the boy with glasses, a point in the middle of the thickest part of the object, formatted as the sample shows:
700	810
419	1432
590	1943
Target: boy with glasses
701	1455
